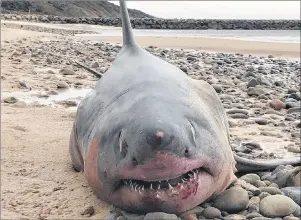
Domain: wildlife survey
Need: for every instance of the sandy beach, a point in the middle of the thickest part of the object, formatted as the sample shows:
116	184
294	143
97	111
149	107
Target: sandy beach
36	175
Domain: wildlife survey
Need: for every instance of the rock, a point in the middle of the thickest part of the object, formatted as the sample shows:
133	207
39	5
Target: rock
22	84
197	210
211	212
67	71
277	206
10	100
292	90
270	190
294	177
279	83
52	92
250	178
281	177
190	217
294	193
239	115
94	65
232	200
234	111
263	218
253	215
256	191
294	110
261	121
160	215
217	88
62	85
294	149
252	83
263	195
276	104
234	217
254	204
20	104
88	211
68	103
255	91
291	218
259	183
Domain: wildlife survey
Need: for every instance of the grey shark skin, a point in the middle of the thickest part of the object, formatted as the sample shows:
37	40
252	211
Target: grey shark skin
149	138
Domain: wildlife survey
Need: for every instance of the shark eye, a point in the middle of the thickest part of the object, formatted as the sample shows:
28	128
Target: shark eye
192	130
123	147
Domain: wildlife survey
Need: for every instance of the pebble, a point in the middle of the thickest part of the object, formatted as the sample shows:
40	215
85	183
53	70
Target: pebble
160	215
255	91
294	110
270	190
254	204
10	100
253	215
217	88
20	104
294	177
62	85
250	178
261	121
67	71
277	104
291	218
232	200
252	83
256	191
239	115
88	211
263	195
68	103
235	111
94	65
293	192
211	212
292	90
277	206
234	217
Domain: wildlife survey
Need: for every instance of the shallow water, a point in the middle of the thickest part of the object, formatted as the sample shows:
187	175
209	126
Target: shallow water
71	94
285	36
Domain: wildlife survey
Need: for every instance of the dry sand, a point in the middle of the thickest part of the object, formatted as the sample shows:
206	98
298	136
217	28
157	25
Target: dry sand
36	175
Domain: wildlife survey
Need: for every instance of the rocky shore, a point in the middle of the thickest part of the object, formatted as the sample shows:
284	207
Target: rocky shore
157	23
261	96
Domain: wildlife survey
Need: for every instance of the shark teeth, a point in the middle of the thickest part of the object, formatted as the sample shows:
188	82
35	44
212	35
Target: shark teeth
140	186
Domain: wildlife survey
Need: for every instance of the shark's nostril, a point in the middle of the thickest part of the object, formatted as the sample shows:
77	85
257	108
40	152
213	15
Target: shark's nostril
186	153
134	161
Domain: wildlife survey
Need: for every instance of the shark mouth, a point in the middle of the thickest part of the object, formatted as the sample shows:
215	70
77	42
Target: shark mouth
141	185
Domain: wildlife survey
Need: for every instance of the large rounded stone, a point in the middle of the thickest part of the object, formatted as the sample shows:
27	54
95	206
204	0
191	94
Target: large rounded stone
232	200
277	206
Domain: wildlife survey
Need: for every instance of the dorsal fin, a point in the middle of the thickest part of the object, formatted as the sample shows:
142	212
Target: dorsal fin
127	32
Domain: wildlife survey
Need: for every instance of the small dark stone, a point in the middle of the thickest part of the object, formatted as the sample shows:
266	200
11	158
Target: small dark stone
261	121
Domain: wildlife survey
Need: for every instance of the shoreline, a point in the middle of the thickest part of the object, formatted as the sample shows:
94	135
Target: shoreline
290	50
207	44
